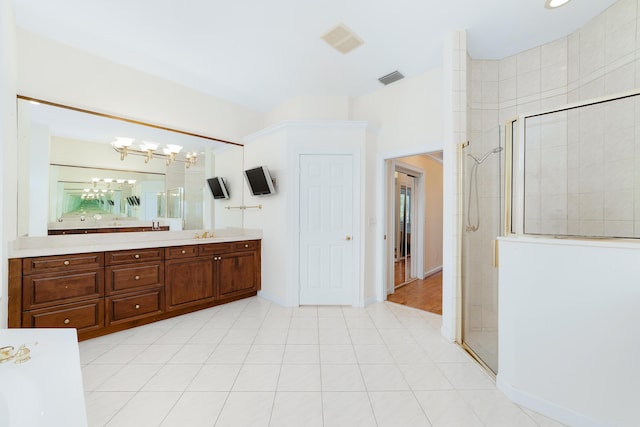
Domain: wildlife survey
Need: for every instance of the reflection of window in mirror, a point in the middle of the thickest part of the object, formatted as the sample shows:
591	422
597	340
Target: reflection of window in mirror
54	138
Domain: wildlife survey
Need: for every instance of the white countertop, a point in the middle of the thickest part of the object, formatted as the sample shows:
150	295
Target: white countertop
46	390
25	247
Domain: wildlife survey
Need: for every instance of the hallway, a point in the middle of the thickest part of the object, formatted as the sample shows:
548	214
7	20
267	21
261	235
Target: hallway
425	294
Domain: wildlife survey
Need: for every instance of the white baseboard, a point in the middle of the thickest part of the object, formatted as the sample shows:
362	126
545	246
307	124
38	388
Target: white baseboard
370	301
432	271
546	408
276	300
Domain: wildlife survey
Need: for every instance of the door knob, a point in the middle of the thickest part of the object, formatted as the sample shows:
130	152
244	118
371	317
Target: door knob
348	237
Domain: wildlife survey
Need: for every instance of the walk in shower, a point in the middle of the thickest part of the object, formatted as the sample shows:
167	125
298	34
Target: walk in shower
483	208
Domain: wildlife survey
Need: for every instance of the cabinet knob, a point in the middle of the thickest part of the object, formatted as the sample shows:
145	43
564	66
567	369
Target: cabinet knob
183	252
137	277
348	238
137	306
66	321
136	256
246	246
66	262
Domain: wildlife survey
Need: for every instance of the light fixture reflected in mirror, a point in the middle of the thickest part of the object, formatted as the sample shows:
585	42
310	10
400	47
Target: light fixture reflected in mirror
553	4
149	150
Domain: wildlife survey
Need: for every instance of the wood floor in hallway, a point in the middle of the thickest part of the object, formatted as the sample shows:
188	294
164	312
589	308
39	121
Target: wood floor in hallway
425	294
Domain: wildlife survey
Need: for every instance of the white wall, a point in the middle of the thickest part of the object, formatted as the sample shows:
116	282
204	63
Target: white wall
270	149
228	164
432	224
568	324
409	113
8	145
311	108
59	73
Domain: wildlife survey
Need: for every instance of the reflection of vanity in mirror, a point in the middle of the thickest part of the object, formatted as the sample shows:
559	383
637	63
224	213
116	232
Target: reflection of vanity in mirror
156	181
90	200
118	226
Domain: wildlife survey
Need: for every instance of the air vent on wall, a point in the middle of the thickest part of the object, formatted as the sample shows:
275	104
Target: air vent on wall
391	77
342	39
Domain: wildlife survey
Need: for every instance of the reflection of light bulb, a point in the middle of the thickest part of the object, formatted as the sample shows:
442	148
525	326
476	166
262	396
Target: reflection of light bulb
95	179
173	148
148	146
131	181
122	142
108	180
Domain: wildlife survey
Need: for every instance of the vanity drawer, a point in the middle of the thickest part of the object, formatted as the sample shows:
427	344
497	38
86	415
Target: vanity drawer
134	256
62	263
244	245
129	307
127	277
84	316
43	290
177	252
214	248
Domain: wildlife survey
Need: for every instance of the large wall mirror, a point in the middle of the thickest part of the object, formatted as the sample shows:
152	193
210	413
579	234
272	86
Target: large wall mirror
78	169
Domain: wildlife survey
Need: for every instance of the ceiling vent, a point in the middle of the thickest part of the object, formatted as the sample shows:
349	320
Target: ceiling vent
391	77
342	38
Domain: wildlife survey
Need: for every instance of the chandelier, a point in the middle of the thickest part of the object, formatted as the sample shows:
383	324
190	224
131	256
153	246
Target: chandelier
149	150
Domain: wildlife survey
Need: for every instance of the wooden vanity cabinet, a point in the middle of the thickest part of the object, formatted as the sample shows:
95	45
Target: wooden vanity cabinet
189	282
220	271
134	285
188	278
102	292
237	272
63	292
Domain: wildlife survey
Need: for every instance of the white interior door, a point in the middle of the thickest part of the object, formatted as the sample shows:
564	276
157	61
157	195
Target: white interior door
326	227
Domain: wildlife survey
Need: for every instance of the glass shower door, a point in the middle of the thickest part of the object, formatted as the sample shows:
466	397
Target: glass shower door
482	216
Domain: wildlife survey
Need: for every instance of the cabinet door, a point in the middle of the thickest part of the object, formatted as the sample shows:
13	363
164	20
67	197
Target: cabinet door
237	274
188	282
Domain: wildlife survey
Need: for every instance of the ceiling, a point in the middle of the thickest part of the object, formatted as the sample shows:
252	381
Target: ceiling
260	53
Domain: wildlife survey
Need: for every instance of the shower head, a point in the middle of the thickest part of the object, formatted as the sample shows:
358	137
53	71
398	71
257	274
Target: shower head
483	158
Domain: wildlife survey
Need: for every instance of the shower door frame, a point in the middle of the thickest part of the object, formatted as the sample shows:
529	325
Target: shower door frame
505	163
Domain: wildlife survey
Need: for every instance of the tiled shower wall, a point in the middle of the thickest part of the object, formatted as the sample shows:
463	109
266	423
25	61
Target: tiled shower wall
580	171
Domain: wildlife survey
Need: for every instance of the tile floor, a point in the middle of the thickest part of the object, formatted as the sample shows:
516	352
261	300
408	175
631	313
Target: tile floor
254	363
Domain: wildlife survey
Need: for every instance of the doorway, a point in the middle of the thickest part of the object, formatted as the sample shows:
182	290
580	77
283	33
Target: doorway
414	230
